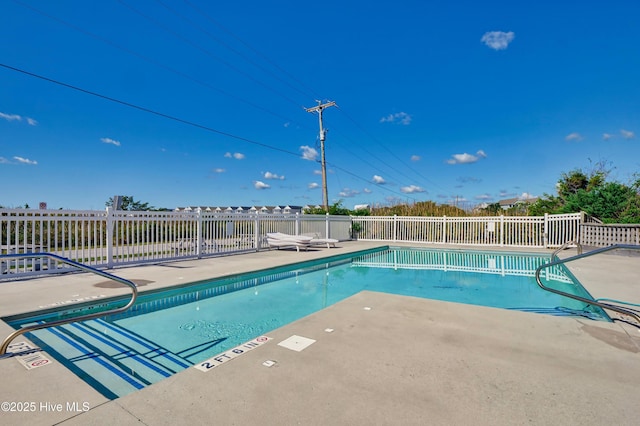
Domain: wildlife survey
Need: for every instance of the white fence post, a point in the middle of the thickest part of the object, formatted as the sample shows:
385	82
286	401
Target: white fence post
327	225
199	233
545	231
501	230
395	227
444	229
256	232
110	236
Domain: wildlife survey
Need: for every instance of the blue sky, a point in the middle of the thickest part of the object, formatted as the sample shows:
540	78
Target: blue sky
203	103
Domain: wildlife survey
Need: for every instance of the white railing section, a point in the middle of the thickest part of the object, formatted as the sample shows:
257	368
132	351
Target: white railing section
76	235
117	238
561	228
604	235
512	231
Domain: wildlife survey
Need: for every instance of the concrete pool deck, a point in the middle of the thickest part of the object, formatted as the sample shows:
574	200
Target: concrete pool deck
402	361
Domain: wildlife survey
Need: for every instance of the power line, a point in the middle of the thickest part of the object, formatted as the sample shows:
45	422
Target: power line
205	84
226	63
173	118
158	64
256	51
150	111
393	154
170	31
186	40
382	161
226	45
207	52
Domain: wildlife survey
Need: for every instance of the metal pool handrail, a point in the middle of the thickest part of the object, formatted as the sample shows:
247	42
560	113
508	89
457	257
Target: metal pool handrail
615	308
134	295
564	246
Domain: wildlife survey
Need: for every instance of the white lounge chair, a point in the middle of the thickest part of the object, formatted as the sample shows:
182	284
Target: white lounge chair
278	239
317	240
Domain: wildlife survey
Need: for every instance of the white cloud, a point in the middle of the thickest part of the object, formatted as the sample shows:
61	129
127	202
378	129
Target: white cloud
483	197
399	117
411	189
16	117
110	141
469	179
313	185
415	158
236	155
219	170
309	153
260	185
269	175
498	40
348	193
10	117
287	124
367	191
4	160
466	158
627	134
25	161
378	180
526	196
575	136
317	172
606	136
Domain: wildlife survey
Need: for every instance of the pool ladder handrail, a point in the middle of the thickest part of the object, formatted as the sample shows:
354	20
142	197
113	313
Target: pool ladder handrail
134	295
566	245
581	255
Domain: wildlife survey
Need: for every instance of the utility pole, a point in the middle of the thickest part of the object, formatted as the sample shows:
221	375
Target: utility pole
319	108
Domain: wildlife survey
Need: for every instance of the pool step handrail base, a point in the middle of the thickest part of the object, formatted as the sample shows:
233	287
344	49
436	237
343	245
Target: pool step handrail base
134	294
580	255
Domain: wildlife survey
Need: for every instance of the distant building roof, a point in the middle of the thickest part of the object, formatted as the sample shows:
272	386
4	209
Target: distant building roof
242	209
510	202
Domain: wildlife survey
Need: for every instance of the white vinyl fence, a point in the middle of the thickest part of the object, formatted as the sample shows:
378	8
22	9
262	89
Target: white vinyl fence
604	235
504	231
116	238
108	239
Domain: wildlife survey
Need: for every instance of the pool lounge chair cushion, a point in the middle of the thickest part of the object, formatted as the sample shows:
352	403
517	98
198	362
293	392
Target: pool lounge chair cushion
278	239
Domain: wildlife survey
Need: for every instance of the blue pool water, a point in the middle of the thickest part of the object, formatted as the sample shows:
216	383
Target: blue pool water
168	331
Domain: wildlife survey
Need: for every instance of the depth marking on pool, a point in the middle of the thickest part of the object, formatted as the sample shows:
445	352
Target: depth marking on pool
75	300
231	353
31	358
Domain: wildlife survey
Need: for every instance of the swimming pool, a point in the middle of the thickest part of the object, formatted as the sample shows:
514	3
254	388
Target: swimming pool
168	331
